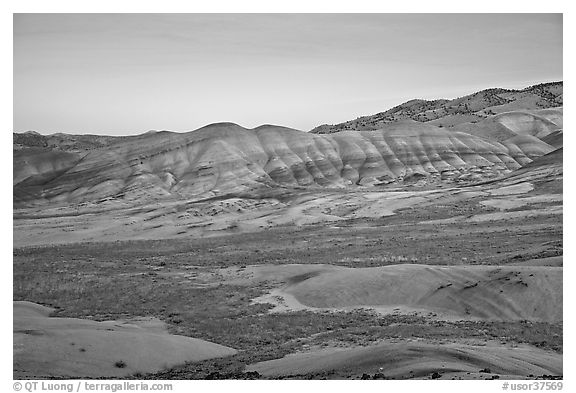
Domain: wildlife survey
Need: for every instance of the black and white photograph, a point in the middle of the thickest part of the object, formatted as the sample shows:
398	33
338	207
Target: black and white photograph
287	196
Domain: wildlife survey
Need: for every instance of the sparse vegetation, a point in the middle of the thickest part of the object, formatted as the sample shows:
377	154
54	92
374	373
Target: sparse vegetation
177	281
197	285
473	104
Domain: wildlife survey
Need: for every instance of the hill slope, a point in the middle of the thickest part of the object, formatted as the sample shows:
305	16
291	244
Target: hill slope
224	159
468	109
62	347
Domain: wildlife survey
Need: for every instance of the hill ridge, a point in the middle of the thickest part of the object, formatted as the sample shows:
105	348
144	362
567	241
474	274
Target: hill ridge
226	158
449	112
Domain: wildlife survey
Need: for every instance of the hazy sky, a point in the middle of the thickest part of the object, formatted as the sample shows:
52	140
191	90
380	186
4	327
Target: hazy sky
130	73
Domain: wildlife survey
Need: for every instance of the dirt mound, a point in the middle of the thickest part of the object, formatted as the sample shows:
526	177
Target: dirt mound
49	347
503	293
418	360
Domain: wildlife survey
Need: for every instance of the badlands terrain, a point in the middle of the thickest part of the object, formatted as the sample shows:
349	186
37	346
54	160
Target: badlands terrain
423	242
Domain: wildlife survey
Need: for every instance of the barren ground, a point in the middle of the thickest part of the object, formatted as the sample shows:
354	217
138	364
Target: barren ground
234	290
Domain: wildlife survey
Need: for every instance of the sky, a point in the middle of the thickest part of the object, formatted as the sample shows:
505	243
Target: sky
124	74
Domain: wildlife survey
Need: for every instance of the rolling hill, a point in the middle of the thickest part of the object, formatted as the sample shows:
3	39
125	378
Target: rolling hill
223	159
224	177
468	109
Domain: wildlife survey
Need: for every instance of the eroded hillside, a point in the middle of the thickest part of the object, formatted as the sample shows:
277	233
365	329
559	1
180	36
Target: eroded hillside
224	159
225	178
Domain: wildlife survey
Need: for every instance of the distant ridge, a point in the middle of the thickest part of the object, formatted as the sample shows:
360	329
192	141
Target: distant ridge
468	109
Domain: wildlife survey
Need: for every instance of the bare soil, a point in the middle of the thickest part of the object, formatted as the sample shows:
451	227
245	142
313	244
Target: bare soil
182	283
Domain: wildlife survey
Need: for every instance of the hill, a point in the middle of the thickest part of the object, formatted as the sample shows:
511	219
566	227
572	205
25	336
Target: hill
63	142
468	109
225	158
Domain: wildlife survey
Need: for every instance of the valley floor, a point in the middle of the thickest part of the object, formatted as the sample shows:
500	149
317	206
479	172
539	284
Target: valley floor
230	290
